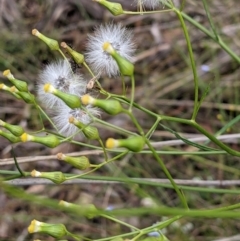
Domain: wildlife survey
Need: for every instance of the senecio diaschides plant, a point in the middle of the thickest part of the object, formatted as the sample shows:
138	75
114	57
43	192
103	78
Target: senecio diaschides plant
72	107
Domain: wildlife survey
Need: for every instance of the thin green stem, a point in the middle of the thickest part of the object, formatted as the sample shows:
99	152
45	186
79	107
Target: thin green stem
141	181
153	128
132	93
88	69
214	139
210	19
147	12
212	36
104	149
159	160
116	128
182	5
119	221
193	65
227	126
44	113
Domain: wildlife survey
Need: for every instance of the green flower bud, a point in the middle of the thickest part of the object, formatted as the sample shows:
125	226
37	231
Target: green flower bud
126	68
27	97
10	137
133	143
80	162
49	140
88	208
20	85
72	101
14	129
51	43
54	230
90	132
112	107
78	58
56	177
115	8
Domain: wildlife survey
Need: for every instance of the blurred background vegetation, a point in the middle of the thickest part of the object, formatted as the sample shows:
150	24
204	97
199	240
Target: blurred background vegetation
164	85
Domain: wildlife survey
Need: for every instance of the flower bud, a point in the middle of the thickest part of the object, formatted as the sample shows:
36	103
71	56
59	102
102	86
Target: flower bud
56	177
20	85
54	230
88	208
115	8
80	162
27	97
78	58
133	143
10	137
14	129
5	87
13	90
72	101
112	107
51	43
90	132
125	67
49	140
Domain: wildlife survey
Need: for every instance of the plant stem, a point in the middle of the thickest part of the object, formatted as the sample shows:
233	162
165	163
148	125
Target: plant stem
193	65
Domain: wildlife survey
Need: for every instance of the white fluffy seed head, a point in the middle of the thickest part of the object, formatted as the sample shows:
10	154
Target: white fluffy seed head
62	114
121	40
61	77
151	4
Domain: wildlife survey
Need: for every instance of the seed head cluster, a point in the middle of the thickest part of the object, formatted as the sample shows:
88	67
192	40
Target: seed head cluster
60	75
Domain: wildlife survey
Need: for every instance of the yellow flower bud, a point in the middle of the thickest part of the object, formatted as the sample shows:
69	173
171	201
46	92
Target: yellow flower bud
54	230
20	85
90	132
13	90
51	43
115	8
112	107
14	129
133	143
49	140
72	101
125	67
56	177
10	137
78	58
80	162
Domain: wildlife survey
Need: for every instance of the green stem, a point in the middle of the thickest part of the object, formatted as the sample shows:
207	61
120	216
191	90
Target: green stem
121	130
212	36
132	93
44	113
119	221
193	65
104	149
214	139
141	181
153	128
147	12
210	19
159	160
